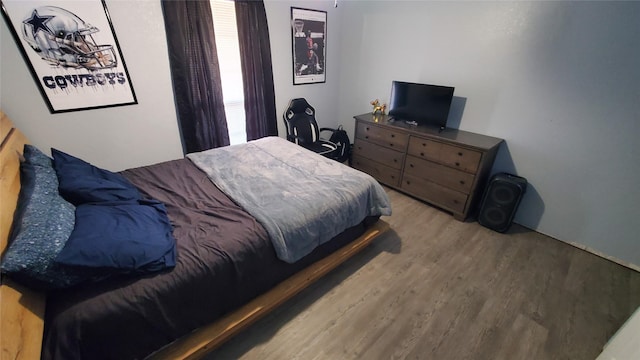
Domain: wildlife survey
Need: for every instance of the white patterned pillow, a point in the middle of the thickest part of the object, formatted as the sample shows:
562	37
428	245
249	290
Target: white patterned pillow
42	224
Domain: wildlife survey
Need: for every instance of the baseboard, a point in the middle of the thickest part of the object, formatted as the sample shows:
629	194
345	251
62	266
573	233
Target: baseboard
592	251
603	255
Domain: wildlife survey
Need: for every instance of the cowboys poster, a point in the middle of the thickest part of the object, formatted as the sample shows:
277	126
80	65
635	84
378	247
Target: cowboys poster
72	52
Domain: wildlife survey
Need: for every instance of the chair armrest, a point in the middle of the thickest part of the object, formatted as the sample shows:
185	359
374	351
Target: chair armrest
328	130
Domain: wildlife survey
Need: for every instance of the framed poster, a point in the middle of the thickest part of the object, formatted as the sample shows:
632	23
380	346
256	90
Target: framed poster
72	51
309	41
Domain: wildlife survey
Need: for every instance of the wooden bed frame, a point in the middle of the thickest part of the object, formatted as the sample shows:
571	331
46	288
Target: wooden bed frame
22	310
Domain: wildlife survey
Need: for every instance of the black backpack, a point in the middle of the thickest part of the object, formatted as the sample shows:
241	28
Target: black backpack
341	139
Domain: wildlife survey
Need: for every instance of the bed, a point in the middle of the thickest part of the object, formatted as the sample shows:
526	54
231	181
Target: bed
182	311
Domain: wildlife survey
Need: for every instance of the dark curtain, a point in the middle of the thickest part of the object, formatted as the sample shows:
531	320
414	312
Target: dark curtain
255	55
196	74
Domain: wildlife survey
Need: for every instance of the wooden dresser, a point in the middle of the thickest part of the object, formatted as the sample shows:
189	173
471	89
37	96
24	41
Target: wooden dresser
446	168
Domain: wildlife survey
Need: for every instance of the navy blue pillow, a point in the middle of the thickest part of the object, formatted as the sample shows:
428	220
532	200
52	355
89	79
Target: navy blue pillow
126	237
81	182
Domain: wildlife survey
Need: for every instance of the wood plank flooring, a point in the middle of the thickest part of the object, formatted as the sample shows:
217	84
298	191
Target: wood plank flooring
437	288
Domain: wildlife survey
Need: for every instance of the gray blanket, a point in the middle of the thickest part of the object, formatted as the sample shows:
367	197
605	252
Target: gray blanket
301	198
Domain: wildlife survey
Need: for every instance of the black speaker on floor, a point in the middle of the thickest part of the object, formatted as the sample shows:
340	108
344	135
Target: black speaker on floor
501	200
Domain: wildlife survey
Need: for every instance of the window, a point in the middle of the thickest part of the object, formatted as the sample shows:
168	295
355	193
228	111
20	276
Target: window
224	23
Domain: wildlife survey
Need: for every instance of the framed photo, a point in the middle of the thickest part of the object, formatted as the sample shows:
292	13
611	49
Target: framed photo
72	51
309	42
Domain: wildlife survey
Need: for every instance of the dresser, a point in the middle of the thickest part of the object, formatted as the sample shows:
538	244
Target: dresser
447	169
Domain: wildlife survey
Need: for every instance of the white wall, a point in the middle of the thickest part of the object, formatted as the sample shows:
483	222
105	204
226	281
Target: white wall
114	138
624	344
559	81
323	96
124	137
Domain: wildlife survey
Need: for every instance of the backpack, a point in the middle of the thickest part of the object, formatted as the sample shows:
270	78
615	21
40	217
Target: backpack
341	139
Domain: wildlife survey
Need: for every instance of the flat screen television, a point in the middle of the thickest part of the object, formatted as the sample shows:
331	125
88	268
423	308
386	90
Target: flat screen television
423	104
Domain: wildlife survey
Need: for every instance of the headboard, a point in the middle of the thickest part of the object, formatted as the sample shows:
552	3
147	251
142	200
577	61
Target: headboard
21	309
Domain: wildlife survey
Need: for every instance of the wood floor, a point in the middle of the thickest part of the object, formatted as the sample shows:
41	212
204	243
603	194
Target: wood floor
437	288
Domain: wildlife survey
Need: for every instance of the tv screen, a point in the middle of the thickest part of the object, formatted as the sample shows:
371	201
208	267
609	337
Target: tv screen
421	103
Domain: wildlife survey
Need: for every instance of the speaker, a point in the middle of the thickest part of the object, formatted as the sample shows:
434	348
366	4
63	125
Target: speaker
501	200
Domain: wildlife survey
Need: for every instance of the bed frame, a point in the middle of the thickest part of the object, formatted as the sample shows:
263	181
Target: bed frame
22	310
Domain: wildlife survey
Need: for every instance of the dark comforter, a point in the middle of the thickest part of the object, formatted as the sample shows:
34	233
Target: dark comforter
224	259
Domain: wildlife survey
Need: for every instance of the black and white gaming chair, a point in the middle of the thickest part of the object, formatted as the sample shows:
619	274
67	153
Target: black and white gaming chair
302	128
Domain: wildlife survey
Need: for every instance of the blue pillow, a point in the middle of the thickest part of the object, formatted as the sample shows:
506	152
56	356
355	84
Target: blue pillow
81	182
125	237
34	156
42	223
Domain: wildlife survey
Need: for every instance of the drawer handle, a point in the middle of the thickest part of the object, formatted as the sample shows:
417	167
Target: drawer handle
367	128
408	182
395	160
410	165
366	136
457	164
424	144
461	182
390	144
393	176
455	201
460	154
421	154
393	135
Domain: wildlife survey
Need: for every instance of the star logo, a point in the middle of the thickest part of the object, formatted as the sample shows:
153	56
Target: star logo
38	23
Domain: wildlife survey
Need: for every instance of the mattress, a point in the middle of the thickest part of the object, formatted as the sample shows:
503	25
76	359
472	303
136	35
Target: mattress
225	259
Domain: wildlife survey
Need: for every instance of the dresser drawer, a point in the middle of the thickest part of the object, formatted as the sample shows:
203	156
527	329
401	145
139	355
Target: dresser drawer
439	174
389	138
453	156
460	158
433	193
384	174
424	148
378	153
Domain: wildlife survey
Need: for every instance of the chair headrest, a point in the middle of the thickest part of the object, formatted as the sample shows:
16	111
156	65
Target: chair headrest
299	106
